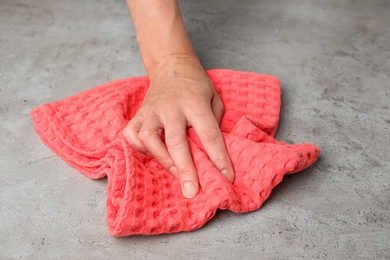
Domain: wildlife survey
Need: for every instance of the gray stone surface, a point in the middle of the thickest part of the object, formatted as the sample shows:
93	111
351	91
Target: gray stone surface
333	60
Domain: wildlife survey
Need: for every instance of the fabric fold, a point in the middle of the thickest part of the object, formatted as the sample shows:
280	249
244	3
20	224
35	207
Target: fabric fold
143	198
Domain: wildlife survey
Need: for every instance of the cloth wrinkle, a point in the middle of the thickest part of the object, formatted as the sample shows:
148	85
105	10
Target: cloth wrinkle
85	130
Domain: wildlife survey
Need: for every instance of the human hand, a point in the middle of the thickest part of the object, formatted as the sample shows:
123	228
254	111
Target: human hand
180	96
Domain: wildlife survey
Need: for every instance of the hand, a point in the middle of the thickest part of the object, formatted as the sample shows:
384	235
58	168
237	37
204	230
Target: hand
180	96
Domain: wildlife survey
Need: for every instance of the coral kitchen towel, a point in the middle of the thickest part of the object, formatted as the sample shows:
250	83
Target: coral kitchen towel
142	197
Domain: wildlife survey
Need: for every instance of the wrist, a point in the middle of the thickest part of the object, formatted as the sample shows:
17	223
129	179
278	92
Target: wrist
185	65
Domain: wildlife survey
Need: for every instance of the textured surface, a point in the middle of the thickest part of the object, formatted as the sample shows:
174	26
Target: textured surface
333	60
142	197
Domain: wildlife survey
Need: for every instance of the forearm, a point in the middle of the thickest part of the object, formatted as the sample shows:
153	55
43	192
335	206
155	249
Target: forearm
160	31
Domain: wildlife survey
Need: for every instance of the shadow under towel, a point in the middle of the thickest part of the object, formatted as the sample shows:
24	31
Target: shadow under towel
143	198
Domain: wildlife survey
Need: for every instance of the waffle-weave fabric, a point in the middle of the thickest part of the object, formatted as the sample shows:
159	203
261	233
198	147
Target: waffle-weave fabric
143	198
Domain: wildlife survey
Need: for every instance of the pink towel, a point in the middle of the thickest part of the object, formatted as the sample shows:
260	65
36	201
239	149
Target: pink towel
142	197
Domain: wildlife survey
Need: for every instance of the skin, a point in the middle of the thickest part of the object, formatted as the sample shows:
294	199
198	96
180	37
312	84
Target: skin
180	96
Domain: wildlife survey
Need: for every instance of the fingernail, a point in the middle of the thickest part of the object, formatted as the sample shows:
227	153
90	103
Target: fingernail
225	172
189	189
173	171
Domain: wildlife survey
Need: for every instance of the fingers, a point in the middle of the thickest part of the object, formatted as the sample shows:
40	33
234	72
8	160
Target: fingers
175	156
146	138
177	144
172	109
207	128
150	136
130	133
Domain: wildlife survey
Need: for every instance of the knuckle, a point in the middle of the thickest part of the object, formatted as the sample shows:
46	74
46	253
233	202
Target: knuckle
127	131
175	140
210	135
145	134
219	161
133	140
186	172
195	100
130	135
